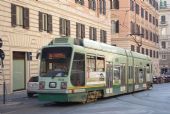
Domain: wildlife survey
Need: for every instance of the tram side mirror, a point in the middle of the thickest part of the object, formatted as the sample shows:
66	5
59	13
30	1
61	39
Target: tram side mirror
147	65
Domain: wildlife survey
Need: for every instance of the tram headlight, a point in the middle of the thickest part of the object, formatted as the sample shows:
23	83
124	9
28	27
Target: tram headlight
63	85
41	85
52	84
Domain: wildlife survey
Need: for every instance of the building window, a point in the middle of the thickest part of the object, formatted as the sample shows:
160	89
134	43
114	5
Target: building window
138	49
92	33
132	27
163	31
19	16
163	19
146	33
103	36
80	30
142	32
132	48
92	4
114	4
115	26
147	52
131	5
81	2
150	18
45	22
153	20
64	27
151	36
156	22
164	56
146	15
102	7
142	12
143	51
163	44
150	53
137	29
137	9
157	54
154	37
154	55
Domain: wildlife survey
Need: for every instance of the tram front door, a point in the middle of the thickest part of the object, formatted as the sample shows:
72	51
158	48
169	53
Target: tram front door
109	78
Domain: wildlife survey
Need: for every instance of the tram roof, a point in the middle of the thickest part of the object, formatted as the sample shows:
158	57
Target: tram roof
94	45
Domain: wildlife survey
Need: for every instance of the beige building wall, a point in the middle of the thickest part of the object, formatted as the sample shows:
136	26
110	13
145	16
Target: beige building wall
30	40
125	39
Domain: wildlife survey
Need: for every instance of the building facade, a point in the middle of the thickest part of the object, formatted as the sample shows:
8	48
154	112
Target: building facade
164	27
134	26
27	25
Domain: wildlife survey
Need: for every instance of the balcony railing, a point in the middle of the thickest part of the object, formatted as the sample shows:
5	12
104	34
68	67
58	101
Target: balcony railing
163	23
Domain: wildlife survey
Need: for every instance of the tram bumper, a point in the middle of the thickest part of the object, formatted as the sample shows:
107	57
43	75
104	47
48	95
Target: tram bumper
62	96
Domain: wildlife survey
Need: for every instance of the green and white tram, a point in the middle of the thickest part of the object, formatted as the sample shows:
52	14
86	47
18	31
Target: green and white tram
76	70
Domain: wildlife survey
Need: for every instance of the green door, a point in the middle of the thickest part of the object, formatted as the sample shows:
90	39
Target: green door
18	71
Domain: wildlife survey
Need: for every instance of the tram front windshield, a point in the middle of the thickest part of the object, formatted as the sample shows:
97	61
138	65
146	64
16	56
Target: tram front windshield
55	61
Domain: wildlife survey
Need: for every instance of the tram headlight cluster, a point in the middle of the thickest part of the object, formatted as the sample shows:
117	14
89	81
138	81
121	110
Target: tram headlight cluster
41	85
63	85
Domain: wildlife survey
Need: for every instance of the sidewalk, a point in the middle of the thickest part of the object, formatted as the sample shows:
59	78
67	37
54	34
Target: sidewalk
14	98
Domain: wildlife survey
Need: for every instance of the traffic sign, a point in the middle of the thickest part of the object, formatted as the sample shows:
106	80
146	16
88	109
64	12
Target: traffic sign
2	54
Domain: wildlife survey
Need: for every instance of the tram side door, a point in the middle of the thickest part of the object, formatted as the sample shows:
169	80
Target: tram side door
109	78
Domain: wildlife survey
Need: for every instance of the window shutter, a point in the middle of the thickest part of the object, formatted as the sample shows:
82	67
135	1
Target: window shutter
83	31
117	26
101	36
90	33
117	4
13	15
68	28
40	22
105	37
101	8
94	4
104	7
26	18
61	23
49	23
77	30
95	34
111	4
89	1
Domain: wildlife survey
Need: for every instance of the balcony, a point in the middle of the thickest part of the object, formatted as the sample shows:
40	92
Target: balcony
163	23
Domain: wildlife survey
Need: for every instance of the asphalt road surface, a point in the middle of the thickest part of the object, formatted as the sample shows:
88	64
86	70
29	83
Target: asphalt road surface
154	101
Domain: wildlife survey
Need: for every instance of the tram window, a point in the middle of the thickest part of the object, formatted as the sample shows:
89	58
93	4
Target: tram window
136	75
147	69
78	70
123	75
130	72
91	63
117	73
55	61
141	75
100	64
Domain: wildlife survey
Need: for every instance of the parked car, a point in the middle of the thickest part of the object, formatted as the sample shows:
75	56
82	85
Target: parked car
167	77
158	79
32	86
